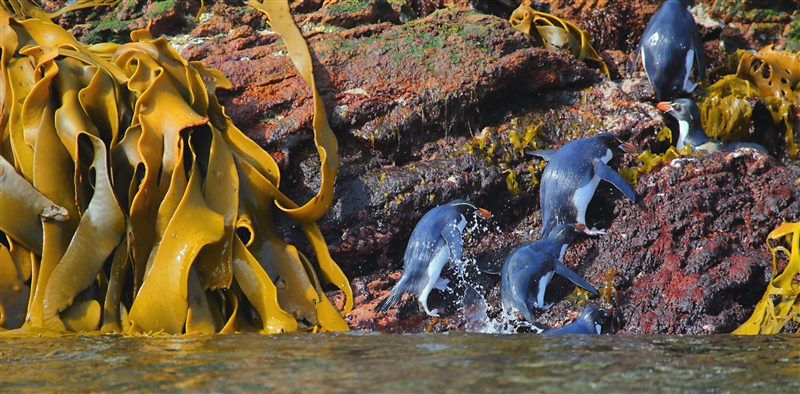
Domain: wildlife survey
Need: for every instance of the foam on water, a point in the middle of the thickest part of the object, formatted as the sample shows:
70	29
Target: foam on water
472	299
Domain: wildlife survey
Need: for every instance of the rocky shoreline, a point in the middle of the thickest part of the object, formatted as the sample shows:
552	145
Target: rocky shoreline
429	105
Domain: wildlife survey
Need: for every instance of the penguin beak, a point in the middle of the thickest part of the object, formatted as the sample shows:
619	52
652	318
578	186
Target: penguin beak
483	213
664	106
580	227
628	148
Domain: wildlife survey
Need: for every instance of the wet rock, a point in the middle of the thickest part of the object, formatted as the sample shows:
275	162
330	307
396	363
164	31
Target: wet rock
350	13
691	249
384	82
432	109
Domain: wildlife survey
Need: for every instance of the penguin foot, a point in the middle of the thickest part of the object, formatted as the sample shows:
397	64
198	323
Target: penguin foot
581	228
441	284
460	268
594	231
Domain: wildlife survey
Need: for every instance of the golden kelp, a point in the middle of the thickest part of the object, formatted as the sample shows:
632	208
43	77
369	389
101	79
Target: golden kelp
553	32
780	303
772	76
129	201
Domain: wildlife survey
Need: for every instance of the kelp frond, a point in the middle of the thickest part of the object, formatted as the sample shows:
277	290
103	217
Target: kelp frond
553	32
780	303
28	9
773	77
129	201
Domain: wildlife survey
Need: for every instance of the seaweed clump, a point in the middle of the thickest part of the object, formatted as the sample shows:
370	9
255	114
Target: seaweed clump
780	303
129	201
552	32
768	77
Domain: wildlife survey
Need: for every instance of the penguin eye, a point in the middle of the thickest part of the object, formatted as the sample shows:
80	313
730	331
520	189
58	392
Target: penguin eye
676	106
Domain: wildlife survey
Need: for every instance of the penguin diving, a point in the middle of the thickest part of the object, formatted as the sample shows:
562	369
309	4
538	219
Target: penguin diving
435	240
529	268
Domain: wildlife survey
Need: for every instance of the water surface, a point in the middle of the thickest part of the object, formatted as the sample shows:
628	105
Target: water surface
353	362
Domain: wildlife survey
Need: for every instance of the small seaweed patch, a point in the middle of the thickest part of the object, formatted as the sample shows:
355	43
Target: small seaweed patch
780	303
648	160
503	145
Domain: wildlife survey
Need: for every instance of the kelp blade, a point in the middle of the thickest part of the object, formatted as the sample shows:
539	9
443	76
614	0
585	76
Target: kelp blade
780	302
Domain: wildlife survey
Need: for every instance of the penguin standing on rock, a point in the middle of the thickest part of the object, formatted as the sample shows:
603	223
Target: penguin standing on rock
435	240
529	268
590	321
690	129
670	47
571	177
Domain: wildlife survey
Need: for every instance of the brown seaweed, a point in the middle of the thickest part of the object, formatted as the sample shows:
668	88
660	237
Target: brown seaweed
781	301
768	76
132	203
552	32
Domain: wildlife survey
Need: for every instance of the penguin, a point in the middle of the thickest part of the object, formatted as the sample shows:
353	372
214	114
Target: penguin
529	268
690	129
435	240
572	174
590	321
670	47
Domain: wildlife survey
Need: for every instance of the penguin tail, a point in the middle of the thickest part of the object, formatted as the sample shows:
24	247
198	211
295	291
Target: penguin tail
388	302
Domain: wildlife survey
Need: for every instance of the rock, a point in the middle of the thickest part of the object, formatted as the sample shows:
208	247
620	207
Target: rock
384	82
432	109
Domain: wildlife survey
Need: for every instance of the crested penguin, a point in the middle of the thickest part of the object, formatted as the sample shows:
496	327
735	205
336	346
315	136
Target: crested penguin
690	129
435	240
529	268
670	47
590	321
571	177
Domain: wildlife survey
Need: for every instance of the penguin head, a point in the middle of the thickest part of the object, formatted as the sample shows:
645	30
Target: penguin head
687	114
464	207
616	145
594	317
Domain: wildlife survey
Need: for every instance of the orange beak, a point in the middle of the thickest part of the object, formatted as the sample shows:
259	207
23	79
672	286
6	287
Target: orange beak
483	213
628	148
580	227
664	106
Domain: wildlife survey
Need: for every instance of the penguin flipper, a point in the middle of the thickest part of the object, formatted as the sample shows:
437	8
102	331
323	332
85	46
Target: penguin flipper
452	236
732	146
564	271
545	154
699	55
608	174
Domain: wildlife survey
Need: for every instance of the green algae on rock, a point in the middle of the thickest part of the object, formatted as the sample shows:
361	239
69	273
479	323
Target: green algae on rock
142	208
